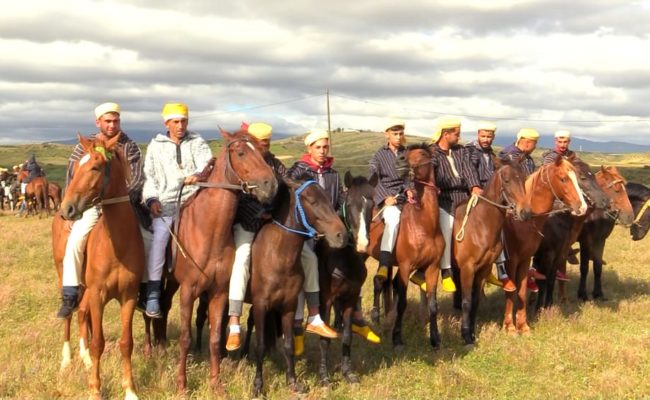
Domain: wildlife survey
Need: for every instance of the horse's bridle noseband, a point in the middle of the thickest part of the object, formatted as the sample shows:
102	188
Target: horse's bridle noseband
299	214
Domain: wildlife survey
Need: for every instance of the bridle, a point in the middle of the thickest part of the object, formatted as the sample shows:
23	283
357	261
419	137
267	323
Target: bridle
242	185
299	215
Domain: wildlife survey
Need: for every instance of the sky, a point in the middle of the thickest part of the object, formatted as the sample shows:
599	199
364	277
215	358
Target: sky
577	65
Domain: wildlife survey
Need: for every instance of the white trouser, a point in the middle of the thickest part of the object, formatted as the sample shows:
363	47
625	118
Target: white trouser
241	264
74	248
147	239
156	260
23	187
309	263
391	216
446	226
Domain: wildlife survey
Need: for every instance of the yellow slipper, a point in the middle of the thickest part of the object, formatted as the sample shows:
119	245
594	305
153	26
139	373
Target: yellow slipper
366	333
382	273
298	345
448	285
492	280
418	279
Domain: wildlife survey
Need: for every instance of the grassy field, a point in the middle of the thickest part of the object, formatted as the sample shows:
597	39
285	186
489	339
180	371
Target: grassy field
576	350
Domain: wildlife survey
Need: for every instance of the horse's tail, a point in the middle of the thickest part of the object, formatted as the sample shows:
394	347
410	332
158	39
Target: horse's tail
272	328
46	197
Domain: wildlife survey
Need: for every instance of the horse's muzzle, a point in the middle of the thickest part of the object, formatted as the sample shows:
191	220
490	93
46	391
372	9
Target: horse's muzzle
338	239
71	212
265	190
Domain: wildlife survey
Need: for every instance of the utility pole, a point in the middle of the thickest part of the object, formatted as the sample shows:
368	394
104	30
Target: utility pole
329	126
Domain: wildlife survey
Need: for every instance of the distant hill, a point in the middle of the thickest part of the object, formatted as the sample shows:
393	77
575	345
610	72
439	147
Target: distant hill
580	145
145	137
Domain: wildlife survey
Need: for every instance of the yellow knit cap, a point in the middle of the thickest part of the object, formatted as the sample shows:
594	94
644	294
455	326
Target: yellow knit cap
106	108
260	130
527	133
446	122
315	135
174	111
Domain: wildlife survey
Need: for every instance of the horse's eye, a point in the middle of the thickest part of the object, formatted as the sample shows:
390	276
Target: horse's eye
240	154
96	168
563	179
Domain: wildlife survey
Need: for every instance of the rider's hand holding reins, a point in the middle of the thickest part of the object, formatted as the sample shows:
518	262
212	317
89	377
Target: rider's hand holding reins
156	209
191	180
390	200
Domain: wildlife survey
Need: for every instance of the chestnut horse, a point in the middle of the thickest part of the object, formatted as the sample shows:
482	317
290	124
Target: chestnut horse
478	236
598	227
54	194
640	198
554	181
419	244
277	277
114	253
36	190
342	272
561	230
205	242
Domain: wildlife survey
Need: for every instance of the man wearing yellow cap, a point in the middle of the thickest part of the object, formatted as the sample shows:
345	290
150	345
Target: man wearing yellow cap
561	149
107	120
522	148
248	220
391	191
481	156
456	179
174	160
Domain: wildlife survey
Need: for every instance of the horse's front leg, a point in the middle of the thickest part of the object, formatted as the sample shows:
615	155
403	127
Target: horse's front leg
258	384
185	339
147	336
66	353
324	343
402	282
201	317
431	275
521	318
346	360
584	272
216	309
97	343
287	331
126	345
83	319
521	282
467	276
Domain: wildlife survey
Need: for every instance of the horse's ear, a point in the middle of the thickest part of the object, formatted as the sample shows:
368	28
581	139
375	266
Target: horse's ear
603	168
347	179
572	157
498	163
290	182
225	134
558	160
374	179
111	143
84	142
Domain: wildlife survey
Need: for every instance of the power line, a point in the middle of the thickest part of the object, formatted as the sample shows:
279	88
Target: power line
259	106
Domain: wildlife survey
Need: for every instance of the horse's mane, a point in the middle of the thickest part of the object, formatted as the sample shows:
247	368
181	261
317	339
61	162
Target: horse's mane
418	146
363	184
637	191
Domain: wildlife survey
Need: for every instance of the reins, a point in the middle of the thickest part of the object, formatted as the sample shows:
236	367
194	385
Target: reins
299	215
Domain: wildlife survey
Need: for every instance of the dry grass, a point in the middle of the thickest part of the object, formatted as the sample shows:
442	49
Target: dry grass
592	350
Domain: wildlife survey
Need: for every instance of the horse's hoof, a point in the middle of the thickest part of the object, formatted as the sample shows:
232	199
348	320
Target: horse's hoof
130	395
524	330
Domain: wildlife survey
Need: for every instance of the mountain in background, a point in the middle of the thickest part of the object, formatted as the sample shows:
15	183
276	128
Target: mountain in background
580	144
145	137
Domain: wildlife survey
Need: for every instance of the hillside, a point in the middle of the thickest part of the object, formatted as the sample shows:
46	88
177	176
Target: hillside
351	150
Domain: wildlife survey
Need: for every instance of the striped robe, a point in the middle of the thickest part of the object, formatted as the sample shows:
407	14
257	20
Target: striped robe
390	182
453	189
549	156
513	153
482	161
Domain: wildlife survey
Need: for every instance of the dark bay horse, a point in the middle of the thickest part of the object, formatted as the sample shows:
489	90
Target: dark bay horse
114	256
342	272
419	244
276	274
206	250
599	226
561	231
554	181
478	241
640	198
37	191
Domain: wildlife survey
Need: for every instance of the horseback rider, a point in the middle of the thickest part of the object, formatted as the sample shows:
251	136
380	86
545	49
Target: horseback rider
523	147
251	215
391	191
107	119
481	156
164	178
33	168
317	165
456	178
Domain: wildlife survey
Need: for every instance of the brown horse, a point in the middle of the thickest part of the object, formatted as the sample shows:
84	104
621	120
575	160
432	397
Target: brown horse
114	255
342	272
276	274
640	198
598	227
561	230
419	244
554	181
36	191
206	250
54	194
478	236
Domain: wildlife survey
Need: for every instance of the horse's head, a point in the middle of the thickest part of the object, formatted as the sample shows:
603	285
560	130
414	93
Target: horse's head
419	161
563	181
640	198
513	191
313	210
90	177
357	208
245	166
613	184
22	175
588	184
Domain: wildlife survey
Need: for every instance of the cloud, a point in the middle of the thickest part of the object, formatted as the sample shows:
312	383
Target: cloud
533	63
